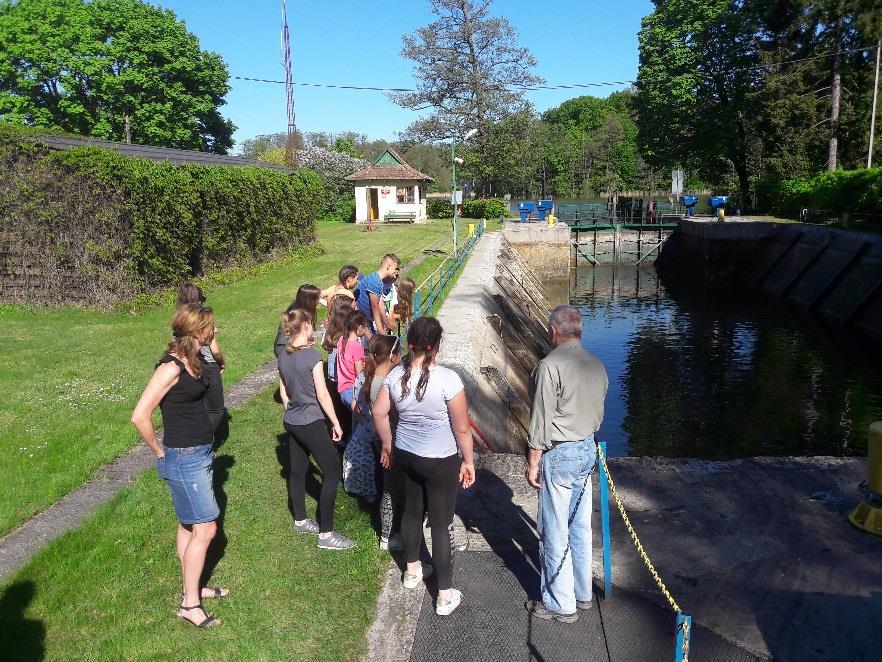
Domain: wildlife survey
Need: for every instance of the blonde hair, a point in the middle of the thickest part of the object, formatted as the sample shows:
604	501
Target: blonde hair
292	322
189	321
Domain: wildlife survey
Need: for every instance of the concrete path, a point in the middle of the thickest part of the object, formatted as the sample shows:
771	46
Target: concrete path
758	551
17	546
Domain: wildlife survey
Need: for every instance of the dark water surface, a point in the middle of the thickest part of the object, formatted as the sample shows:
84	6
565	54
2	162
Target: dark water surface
714	372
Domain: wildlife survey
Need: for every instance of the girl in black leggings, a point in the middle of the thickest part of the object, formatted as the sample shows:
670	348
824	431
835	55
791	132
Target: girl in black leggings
305	395
433	421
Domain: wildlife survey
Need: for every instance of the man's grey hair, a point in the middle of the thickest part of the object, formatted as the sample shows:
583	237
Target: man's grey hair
567	320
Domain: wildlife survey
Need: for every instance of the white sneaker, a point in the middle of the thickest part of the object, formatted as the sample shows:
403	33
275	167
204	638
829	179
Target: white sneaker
446	608
413	581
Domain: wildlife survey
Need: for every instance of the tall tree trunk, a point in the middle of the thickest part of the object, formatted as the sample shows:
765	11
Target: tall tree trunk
836	94
743	184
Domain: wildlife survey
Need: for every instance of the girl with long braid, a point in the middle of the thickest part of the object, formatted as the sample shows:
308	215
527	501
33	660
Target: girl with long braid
433	421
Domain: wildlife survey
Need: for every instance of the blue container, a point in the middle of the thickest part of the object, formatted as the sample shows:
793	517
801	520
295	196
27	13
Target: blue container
526	209
718	201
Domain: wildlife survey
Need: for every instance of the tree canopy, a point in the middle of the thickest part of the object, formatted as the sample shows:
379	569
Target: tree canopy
94	68
467	64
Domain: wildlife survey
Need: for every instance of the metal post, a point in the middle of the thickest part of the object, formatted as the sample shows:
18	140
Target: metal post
453	193
417	304
873	114
684	637
604	523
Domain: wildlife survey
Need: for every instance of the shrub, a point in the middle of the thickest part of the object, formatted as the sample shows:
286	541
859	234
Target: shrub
92	225
436	208
486	208
333	167
854	191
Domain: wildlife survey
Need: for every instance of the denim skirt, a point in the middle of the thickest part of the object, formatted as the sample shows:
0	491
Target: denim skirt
188	473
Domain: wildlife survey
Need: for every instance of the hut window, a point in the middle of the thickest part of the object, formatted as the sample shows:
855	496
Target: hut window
405	195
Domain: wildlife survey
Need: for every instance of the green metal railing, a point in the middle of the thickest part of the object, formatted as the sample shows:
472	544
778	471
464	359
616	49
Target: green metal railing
428	296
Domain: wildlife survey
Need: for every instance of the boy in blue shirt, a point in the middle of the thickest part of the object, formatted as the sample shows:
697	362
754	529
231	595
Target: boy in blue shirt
372	289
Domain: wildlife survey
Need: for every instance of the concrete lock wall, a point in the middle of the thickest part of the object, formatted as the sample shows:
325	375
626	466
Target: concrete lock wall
836	273
545	248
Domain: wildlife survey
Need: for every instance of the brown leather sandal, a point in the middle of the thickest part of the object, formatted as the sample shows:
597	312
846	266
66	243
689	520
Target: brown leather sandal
210	621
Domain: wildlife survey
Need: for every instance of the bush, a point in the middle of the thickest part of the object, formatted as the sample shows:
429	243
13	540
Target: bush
436	208
853	191
91	225
486	208
333	167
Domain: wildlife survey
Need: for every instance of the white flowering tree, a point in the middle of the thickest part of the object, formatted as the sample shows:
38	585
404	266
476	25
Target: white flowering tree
333	167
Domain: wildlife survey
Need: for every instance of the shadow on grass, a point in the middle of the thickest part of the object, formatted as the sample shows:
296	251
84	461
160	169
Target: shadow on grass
222	466
21	638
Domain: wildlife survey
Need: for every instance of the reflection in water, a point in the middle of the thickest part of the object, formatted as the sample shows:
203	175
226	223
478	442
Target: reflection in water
719	373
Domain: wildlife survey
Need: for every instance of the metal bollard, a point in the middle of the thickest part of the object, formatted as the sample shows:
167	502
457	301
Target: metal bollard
868	515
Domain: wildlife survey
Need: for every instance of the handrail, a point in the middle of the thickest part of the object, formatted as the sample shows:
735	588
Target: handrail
424	301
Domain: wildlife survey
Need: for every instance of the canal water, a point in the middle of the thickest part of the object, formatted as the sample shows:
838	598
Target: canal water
711	372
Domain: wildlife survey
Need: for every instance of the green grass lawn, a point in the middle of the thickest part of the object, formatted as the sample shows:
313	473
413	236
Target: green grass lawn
70	377
109	589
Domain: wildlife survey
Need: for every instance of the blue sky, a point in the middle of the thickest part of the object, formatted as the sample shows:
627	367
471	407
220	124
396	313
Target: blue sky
354	42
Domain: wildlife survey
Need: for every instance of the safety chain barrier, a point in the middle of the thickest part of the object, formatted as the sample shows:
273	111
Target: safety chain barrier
684	622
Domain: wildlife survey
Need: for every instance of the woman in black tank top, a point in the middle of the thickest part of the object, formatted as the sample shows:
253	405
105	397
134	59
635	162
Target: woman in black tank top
184	458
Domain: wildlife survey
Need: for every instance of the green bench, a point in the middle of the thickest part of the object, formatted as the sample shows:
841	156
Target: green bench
400	217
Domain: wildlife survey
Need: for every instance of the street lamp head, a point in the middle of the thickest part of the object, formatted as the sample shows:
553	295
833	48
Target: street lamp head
458	161
471	134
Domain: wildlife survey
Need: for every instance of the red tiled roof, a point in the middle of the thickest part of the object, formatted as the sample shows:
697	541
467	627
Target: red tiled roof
400	172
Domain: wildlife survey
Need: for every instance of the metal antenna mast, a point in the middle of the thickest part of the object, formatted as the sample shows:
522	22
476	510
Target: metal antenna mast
291	149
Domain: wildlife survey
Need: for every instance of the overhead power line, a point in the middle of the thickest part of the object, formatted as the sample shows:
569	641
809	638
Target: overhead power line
560	86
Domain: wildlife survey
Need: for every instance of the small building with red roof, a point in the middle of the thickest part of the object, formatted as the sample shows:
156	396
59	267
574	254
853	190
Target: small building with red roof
390	190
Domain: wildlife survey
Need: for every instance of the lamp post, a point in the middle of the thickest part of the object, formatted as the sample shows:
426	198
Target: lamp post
454	160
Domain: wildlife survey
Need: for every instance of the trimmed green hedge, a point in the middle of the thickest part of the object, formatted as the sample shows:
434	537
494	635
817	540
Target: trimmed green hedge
486	208
853	191
90	224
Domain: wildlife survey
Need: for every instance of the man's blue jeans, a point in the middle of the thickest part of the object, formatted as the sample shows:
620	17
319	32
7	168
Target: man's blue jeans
565	524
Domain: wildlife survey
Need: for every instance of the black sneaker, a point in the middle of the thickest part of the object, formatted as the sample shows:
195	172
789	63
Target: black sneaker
537	609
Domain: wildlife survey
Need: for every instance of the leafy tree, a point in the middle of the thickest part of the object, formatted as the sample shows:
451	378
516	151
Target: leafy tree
269	142
467	64
591	145
695	84
95	68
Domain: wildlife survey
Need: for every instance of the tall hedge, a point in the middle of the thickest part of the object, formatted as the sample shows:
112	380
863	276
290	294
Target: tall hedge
90	224
852	191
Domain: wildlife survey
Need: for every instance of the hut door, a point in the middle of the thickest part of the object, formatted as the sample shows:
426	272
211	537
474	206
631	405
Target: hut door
373	204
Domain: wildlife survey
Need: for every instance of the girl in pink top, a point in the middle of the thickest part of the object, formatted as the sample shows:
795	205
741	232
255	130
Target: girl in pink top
350	355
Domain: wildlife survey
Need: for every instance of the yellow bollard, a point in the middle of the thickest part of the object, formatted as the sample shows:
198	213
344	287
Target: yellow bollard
551	220
868	515
471	229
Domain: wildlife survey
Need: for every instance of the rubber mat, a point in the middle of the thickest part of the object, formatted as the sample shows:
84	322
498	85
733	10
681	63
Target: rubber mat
492	624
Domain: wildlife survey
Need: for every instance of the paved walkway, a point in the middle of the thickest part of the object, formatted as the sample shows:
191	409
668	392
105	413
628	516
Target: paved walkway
496	568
